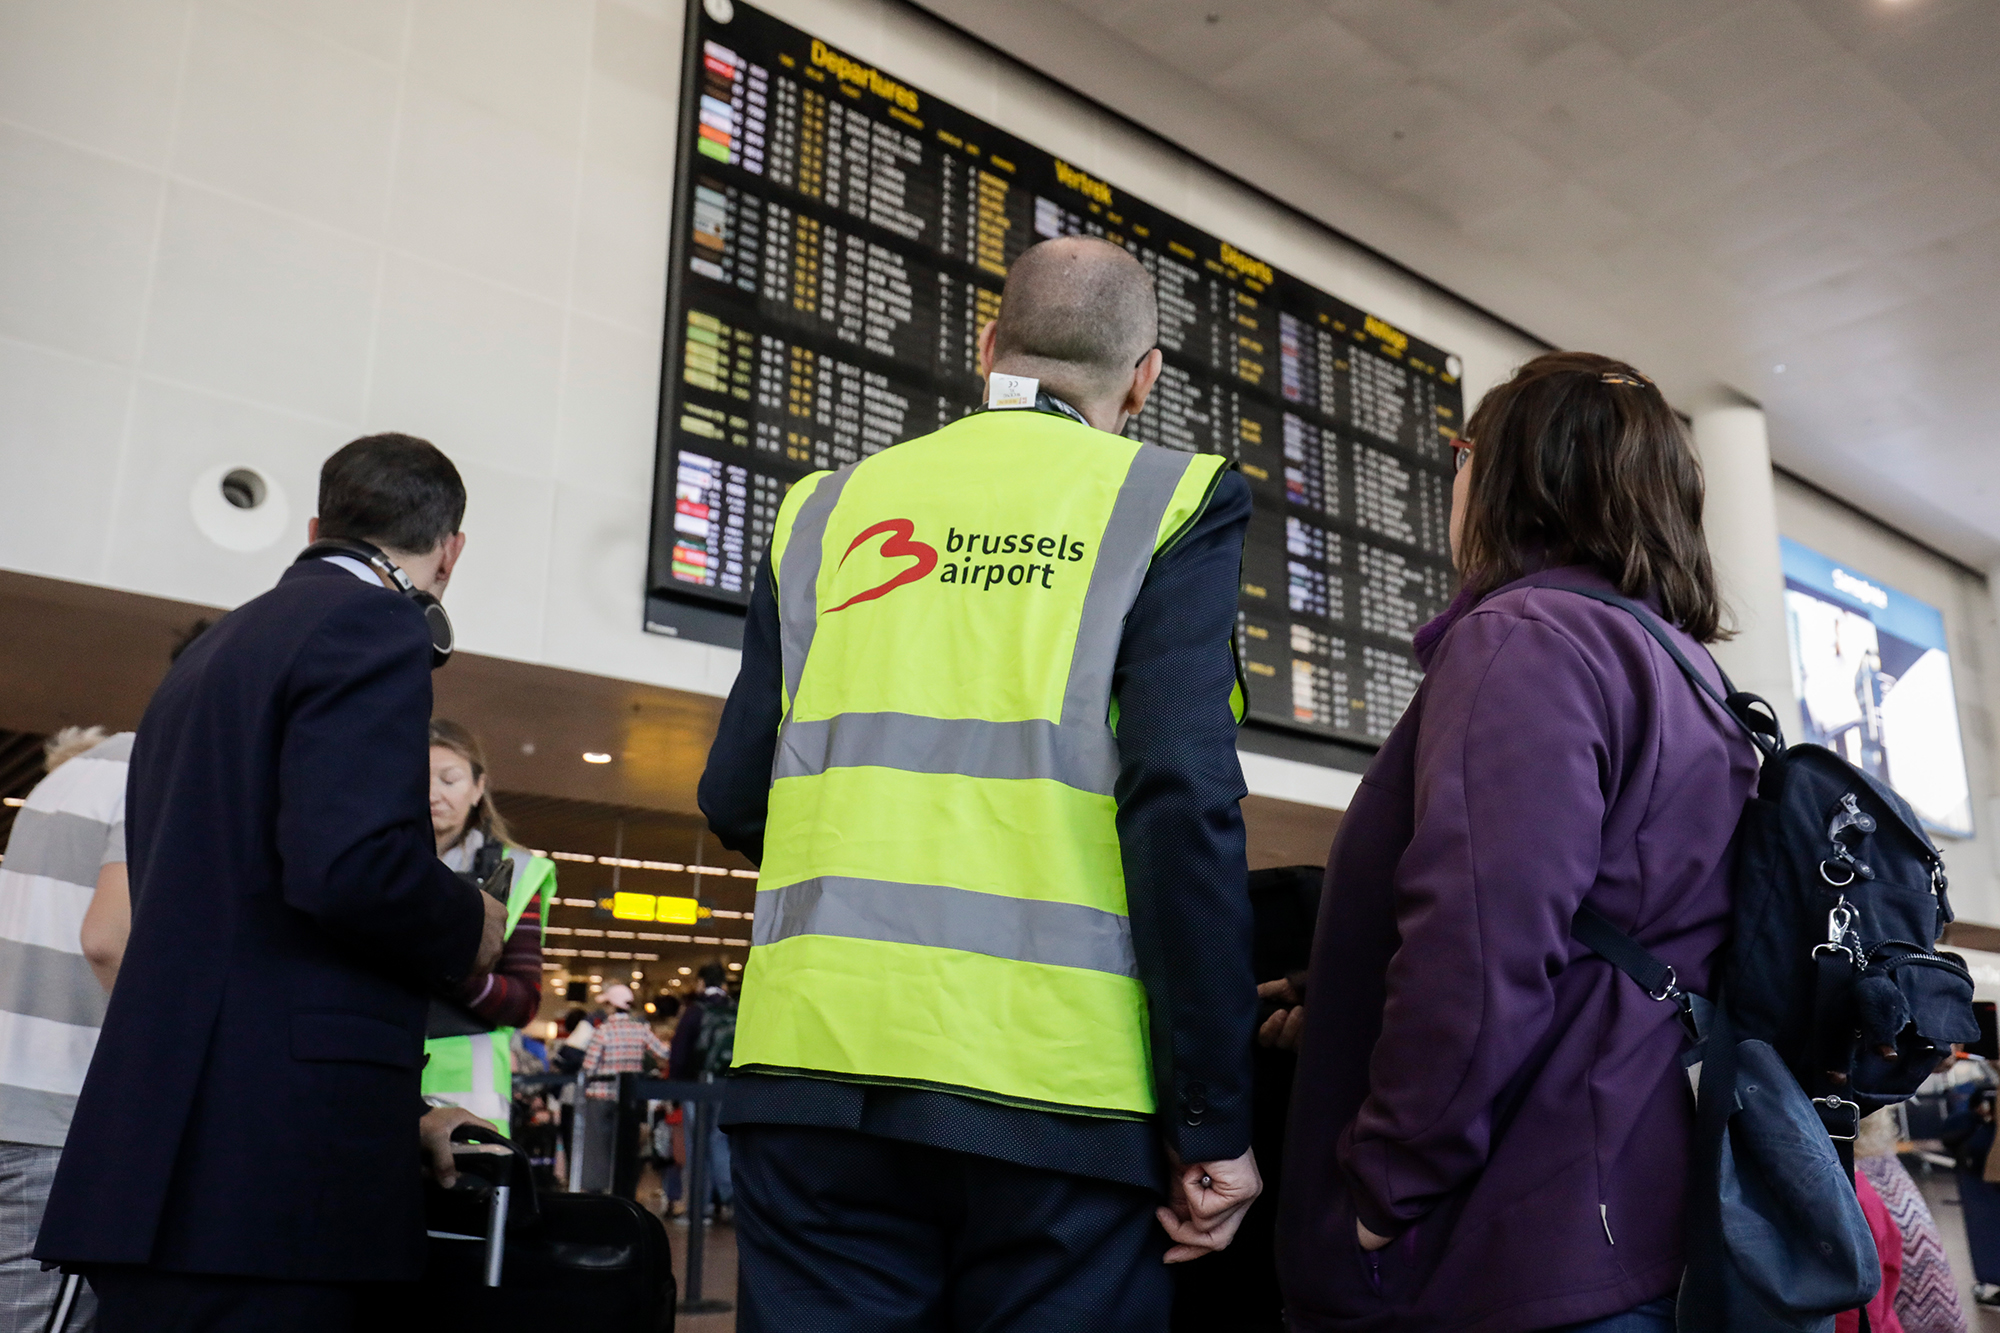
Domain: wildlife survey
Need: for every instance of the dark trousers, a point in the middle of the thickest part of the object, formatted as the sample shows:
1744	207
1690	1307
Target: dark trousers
145	1300
1979	1205
838	1230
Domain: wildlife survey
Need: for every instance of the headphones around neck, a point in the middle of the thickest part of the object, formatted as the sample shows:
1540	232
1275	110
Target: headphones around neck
442	638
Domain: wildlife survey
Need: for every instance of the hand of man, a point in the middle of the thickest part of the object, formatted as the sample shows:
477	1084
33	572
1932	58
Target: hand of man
434	1132
1369	1240
492	936
1285	1026
1206	1202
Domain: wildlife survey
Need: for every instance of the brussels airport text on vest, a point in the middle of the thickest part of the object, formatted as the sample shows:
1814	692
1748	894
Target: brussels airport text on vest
942	902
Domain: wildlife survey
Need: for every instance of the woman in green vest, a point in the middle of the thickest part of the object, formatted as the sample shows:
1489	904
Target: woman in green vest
470	1033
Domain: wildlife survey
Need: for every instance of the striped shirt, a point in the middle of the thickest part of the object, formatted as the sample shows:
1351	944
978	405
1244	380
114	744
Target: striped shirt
51	1004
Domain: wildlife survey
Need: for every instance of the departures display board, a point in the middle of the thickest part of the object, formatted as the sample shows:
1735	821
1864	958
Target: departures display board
841	239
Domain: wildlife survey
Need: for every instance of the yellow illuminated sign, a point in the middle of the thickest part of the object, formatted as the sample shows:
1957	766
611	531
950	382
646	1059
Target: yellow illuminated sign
646	907
632	906
678	911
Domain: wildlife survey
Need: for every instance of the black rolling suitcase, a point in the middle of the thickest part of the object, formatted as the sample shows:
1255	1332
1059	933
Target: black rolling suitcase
503	1257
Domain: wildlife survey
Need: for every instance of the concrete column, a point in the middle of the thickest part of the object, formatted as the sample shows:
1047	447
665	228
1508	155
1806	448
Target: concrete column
1742	523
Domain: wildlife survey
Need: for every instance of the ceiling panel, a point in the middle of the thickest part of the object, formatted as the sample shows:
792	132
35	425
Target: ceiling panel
1738	183
1634	30
1306	77
1736	58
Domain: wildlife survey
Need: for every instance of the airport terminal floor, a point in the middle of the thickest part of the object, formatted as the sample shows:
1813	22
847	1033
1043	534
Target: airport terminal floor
999	666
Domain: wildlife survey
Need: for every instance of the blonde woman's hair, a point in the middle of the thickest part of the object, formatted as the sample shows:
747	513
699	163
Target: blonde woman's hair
484	816
70	742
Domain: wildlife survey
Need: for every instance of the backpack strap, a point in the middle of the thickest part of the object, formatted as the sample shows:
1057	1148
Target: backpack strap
1751	712
1654	974
1591	928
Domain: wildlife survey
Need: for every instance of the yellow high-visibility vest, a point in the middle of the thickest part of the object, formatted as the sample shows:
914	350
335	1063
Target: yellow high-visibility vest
476	1070
942	901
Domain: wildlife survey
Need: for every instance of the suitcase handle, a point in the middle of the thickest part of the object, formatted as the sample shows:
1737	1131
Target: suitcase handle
503	1181
481	1172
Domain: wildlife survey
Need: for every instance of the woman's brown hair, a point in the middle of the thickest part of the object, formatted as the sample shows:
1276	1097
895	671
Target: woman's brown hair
1578	460
484	816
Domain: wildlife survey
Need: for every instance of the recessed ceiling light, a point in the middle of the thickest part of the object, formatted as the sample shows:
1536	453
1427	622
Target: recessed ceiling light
596	757
686	970
736	967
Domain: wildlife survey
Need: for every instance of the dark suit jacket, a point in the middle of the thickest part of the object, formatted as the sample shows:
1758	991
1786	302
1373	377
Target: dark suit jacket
1180	833
252	1105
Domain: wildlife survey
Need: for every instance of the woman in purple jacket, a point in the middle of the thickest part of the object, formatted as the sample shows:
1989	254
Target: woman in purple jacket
1490	1127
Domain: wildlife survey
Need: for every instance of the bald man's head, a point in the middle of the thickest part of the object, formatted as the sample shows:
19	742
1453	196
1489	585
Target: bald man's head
1077	314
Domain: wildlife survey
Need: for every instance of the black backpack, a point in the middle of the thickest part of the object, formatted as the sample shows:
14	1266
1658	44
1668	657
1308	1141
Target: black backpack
1830	1002
715	1040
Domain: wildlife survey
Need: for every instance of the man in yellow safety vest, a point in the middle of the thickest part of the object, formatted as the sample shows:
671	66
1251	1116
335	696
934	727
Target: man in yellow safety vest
991	1064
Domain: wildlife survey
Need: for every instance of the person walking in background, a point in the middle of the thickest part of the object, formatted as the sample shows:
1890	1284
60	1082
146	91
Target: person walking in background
64	916
704	1045
1491	1127
468	1057
1927	1293
1969	1137
618	1045
244	1153
996	1022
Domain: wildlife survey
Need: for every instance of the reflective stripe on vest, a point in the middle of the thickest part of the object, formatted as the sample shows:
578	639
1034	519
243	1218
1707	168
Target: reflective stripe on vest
930	868
474	1071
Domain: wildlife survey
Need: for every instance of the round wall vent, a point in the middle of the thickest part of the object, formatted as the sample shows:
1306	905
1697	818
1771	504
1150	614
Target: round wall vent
239	508
243	488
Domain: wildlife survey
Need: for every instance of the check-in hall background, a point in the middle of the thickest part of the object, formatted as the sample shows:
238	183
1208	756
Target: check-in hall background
73	655
236	233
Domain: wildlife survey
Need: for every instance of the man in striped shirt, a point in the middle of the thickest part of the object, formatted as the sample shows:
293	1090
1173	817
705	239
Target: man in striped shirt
64	913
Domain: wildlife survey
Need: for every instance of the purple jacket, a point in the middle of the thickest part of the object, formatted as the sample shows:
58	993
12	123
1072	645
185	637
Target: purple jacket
1473	1081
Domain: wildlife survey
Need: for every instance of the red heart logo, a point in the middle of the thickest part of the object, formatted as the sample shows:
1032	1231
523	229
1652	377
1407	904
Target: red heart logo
901	543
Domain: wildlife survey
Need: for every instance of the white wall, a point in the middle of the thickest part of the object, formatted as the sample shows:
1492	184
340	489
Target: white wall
1972	633
241	232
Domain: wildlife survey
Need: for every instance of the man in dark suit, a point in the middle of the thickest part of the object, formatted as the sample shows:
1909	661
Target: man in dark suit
245	1152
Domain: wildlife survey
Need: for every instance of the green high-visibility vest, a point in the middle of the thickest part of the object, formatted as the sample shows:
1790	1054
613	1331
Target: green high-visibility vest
942	901
476	1071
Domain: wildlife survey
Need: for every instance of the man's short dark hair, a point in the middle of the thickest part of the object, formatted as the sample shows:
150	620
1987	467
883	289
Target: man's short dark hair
712	974
1078	312
396	491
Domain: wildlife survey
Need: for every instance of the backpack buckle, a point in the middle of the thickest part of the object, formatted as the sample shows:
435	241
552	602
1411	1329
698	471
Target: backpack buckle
1849	1114
1839	922
1670	989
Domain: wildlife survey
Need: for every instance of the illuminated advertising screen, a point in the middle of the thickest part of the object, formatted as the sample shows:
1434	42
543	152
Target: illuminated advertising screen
841	237
1872	673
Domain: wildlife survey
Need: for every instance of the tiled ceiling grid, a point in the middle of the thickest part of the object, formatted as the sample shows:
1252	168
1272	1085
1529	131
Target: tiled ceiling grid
1812	184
